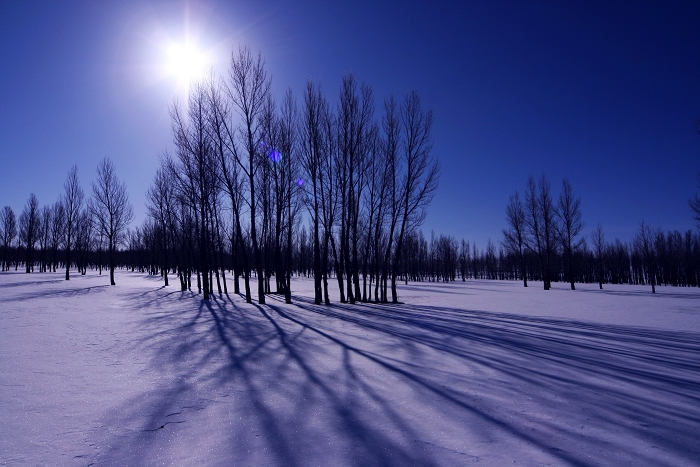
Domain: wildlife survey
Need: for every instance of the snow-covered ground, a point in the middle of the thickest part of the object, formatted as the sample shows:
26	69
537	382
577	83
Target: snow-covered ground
477	372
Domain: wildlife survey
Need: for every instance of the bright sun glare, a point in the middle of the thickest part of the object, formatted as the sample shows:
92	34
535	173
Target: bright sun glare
185	62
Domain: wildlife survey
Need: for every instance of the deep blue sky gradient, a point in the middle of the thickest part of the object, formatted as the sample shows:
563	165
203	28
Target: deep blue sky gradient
604	93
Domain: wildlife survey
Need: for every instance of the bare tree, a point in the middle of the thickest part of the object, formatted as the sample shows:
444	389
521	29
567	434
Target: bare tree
328	177
354	120
540	216
29	229
248	89
8	224
286	191
84	239
421	174
160	201
225	146
312	145
45	236
598	240
72	203
646	246
58	225
514	235
110	209
372	205
694	202
392	191
570	226
196	174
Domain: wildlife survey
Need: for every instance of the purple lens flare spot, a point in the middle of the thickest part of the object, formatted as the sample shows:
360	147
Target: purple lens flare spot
300	182
275	155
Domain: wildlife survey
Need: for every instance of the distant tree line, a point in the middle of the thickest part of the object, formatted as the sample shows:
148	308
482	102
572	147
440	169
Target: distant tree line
543	242
69	233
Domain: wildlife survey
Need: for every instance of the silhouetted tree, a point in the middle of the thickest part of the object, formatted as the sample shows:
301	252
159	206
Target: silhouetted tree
540	215
598	240
8	224
420	176
45	236
110	209
695	204
29	229
248	90
72	204
225	144
354	118
84	239
391	126
58	226
570	226
646	246
160	202
312	144
514	235
196	173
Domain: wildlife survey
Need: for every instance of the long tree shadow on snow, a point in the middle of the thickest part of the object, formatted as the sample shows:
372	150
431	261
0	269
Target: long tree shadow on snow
645	380
283	363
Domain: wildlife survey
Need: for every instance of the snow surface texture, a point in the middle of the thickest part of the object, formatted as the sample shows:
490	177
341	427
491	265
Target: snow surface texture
477	372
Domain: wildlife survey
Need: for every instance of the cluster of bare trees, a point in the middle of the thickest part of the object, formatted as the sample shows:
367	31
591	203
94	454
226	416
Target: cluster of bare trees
652	257
543	241
248	173
69	232
541	227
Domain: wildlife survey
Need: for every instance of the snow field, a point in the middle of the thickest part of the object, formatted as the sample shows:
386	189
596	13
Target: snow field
480	372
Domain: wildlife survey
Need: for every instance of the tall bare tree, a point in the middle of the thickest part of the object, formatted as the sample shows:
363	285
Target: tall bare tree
58	225
72	204
286	191
694	202
420	176
311	160
196	173
160	203
45	236
391	126
223	132
646	245
570	226
354	121
541	217
249	89
29	229
514	236
110	209
8	224
598	240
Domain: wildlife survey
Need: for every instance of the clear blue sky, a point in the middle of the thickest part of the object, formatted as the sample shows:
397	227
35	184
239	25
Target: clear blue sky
604	93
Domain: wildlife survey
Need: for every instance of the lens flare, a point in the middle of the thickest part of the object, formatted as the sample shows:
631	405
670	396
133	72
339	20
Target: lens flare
300	182
275	155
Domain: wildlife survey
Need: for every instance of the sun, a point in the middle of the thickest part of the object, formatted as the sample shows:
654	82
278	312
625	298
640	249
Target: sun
185	62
